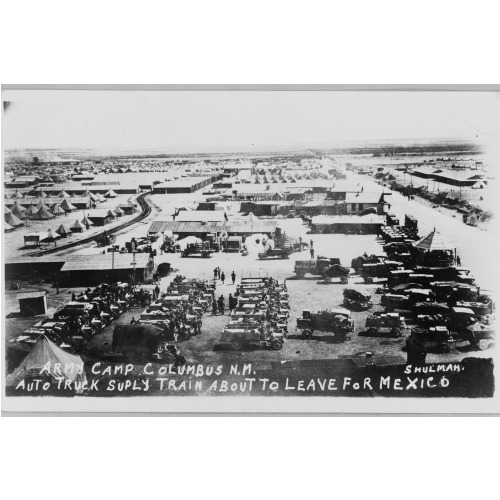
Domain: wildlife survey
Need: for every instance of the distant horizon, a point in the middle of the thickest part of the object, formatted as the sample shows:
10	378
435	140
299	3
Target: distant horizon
277	149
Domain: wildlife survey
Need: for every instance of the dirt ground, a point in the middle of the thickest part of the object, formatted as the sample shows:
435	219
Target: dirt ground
305	294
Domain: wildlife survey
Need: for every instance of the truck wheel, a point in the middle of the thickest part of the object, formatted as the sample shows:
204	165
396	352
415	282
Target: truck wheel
276	345
306	334
369	280
344	281
483	344
396	332
236	345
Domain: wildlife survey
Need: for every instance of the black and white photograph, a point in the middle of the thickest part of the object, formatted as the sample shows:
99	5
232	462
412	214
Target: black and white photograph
249	242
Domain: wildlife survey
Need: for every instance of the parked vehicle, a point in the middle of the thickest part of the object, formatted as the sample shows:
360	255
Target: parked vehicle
275	253
435	338
336	321
394	322
381	270
314	267
356	300
201	249
234	244
246	336
337	271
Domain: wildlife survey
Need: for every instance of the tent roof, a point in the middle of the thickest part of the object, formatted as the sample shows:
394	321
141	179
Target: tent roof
43	352
57	209
66	205
51	236
19	213
43	214
433	241
62	229
77	225
8	227
87	221
12	220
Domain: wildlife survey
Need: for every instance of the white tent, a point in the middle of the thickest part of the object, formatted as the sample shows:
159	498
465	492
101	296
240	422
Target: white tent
45	351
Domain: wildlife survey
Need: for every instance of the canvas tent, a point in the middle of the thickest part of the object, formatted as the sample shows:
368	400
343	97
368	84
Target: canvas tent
42	214
433	241
63	194
50	237
87	222
8	228
63	231
12	220
57	210
434	251
30	211
110	194
67	206
43	352
77	227
19	213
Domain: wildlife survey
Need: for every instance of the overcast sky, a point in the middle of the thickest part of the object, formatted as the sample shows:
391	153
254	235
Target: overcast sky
197	121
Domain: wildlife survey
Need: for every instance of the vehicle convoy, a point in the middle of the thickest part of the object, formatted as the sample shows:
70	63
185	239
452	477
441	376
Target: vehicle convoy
336	321
201	249
356	300
394	322
247	336
314	267
275	253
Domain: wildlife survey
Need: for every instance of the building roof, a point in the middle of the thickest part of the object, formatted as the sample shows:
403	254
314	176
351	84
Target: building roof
100	213
364	197
328	220
201	216
433	241
182	183
236	226
30	295
105	262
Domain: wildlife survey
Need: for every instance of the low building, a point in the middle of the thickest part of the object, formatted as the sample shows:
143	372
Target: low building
242	228
100	217
32	303
357	202
88	270
339	191
188	185
347	224
201	216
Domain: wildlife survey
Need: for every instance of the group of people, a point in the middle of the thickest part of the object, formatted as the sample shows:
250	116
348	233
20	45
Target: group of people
220	275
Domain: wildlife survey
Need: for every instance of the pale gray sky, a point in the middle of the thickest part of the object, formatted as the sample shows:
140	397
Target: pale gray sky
196	121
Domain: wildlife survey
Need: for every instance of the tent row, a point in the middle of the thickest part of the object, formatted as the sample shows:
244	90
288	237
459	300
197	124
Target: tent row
40	193
17	216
